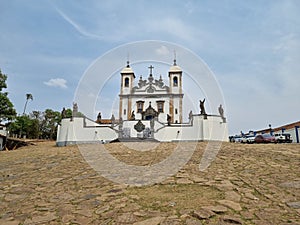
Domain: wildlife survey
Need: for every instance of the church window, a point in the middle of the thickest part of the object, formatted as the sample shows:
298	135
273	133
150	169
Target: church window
176	111
126	84
175	81
160	106
124	111
140	106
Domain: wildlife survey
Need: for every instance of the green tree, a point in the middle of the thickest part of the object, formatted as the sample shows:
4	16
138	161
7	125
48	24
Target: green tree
49	123
68	113
28	97
34	131
7	111
38	124
36	118
21	126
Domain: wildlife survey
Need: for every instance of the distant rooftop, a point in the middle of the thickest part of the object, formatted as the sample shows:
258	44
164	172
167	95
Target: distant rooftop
287	127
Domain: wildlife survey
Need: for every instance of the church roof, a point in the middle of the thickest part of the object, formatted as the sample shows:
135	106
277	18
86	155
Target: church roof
287	127
127	69
175	68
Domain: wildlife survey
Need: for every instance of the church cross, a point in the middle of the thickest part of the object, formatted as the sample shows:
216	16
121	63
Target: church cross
151	68
174	58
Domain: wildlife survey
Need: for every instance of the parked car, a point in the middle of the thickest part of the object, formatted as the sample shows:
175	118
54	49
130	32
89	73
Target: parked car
243	140
250	139
265	138
283	138
238	139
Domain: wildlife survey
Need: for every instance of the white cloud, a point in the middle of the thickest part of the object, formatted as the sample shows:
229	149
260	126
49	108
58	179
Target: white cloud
162	50
78	27
56	82
119	26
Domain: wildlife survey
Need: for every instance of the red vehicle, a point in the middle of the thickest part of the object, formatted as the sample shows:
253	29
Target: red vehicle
265	138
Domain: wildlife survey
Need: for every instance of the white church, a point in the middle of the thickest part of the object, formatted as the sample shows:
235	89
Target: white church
149	110
151	98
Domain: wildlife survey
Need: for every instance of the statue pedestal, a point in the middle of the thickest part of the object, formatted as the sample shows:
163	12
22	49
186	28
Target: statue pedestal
204	116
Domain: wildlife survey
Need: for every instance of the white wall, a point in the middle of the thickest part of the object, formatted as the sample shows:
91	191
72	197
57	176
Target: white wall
81	130
214	129
74	132
125	106
176	105
211	128
292	132
182	132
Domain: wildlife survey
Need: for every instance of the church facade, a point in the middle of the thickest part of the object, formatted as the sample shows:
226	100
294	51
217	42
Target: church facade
149	110
151	98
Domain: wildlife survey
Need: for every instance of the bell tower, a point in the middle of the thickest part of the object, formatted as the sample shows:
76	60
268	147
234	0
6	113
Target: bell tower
127	80
175	84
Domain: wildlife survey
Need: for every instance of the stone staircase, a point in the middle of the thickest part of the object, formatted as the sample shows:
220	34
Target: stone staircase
135	139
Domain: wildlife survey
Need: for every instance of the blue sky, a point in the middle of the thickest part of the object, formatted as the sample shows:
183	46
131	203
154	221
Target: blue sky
252	47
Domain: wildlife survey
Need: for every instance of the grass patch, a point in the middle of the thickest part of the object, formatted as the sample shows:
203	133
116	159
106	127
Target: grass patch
141	154
178	197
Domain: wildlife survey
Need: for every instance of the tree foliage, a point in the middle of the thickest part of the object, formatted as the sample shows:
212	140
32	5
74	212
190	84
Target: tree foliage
68	113
49	123
23	125
38	124
7	111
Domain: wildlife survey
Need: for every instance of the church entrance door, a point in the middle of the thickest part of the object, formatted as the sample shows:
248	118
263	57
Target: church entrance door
149	113
149	117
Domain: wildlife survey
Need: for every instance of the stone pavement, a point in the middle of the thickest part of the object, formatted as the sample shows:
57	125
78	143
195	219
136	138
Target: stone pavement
246	184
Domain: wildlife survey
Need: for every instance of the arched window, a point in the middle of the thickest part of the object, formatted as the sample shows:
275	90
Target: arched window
175	81
126	84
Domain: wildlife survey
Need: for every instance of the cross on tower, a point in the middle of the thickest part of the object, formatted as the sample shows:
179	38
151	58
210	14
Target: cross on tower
127	60
151	68
174	58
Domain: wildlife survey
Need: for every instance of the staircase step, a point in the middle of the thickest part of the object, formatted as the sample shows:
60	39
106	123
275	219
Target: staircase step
135	139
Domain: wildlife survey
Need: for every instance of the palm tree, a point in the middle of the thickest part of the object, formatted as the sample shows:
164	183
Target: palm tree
28	97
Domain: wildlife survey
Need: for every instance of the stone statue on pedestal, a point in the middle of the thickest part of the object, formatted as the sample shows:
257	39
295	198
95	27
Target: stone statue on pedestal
113	119
63	113
132	117
75	109
190	115
169	119
202	108
99	117
221	111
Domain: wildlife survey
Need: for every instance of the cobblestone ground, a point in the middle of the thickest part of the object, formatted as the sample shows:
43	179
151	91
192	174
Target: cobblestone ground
246	184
